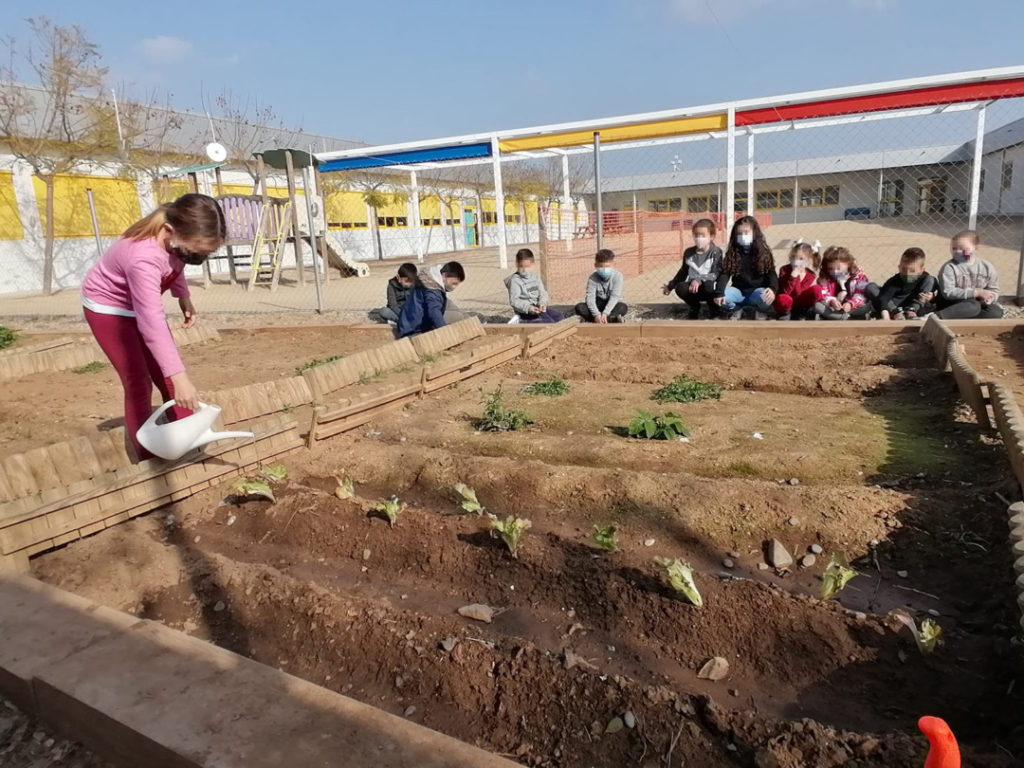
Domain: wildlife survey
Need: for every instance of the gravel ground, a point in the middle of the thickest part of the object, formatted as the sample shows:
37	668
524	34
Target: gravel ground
24	744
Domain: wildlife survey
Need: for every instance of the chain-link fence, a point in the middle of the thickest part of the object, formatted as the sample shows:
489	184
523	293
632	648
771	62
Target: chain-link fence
875	170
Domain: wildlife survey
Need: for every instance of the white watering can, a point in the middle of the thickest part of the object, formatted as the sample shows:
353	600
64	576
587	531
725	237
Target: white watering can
173	439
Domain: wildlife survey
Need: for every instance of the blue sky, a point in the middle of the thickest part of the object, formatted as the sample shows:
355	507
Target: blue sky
399	70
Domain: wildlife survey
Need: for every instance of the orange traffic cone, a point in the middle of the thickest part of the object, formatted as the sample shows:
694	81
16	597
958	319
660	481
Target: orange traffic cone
944	752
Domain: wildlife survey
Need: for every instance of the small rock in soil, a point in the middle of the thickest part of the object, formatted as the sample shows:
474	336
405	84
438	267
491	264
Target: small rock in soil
933	612
807	561
868	747
727	563
714	669
477	612
816	549
794	521
196	539
220	606
734	555
232	519
614	725
763	567
629	719
449	643
734	692
410	711
902	574
778	555
794	481
648	542
366	554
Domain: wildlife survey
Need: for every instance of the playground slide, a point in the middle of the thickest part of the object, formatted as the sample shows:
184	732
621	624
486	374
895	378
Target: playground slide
336	258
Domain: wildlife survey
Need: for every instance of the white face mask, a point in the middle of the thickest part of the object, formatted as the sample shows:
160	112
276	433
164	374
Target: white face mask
798	263
745	239
702	243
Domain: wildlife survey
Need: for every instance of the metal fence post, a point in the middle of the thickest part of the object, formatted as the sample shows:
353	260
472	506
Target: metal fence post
597	189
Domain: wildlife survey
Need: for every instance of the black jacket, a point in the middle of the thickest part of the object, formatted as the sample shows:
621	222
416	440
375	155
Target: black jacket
397	294
749	278
896	294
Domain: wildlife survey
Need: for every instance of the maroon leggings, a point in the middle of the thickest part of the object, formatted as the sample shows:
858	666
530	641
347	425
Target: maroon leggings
120	340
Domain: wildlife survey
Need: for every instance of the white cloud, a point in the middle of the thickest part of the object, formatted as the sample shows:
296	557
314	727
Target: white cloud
164	49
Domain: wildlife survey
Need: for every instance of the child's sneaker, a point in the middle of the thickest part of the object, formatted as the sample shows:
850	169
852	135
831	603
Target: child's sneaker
786	316
760	315
736	314
897	315
693	314
910	315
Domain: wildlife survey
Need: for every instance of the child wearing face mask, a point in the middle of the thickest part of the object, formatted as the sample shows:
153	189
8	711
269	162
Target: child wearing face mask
909	293
604	302
121	300
526	293
398	291
697	279
968	285
796	282
750	266
841	288
427	304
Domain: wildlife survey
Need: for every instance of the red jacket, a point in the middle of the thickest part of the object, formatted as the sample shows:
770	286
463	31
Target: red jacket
852	291
792	287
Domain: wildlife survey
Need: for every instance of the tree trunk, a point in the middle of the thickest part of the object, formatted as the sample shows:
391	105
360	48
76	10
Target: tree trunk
48	247
376	232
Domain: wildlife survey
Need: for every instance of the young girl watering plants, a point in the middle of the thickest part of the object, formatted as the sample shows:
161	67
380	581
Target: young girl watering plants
121	297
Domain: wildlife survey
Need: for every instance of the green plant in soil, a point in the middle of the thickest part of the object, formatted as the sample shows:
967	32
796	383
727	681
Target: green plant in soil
511	531
94	367
390	509
550	388
469	502
248	487
498	418
606	538
679	574
683	389
274	473
927	638
6	337
647	426
837	574
316	362
345	489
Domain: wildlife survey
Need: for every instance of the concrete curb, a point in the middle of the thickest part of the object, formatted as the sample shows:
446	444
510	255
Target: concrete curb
141	694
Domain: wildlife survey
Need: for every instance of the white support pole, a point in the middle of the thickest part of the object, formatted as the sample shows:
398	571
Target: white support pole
750	174
634	211
414	184
499	202
972	220
730	169
566	199
796	190
597	189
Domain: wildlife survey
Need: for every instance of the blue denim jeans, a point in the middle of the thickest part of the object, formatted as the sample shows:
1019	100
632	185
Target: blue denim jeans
736	299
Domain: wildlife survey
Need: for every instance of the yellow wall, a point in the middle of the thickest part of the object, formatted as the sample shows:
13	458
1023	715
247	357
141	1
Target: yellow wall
430	207
10	219
346	210
531	212
169	190
394	207
117	205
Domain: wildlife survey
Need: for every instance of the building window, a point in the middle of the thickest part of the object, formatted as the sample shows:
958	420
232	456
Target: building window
392	222
513	218
815	197
767	200
739	202
666	205
1007	174
702	204
785	198
490	217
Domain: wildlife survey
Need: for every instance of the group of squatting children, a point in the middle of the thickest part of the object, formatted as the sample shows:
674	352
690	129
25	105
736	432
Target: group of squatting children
828	285
814	284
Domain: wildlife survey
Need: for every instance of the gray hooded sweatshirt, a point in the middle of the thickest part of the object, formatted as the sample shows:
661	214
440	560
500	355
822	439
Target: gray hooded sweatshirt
599	288
525	291
959	281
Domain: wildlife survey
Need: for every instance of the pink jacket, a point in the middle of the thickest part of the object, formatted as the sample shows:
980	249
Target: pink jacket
132	275
852	291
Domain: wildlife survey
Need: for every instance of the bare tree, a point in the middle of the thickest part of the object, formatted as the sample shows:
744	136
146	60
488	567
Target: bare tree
62	121
249	126
379	188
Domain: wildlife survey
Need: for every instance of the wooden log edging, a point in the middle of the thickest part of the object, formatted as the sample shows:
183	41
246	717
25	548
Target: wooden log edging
61	492
973	391
938	335
56	516
65	354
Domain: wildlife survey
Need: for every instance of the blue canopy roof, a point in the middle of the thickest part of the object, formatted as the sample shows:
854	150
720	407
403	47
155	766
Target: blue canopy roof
409	157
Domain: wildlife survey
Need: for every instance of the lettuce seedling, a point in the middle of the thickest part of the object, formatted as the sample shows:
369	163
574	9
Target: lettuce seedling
927	638
551	388
511	530
837	574
246	487
274	473
345	489
498	418
683	389
680	578
391	509
605	537
469	501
